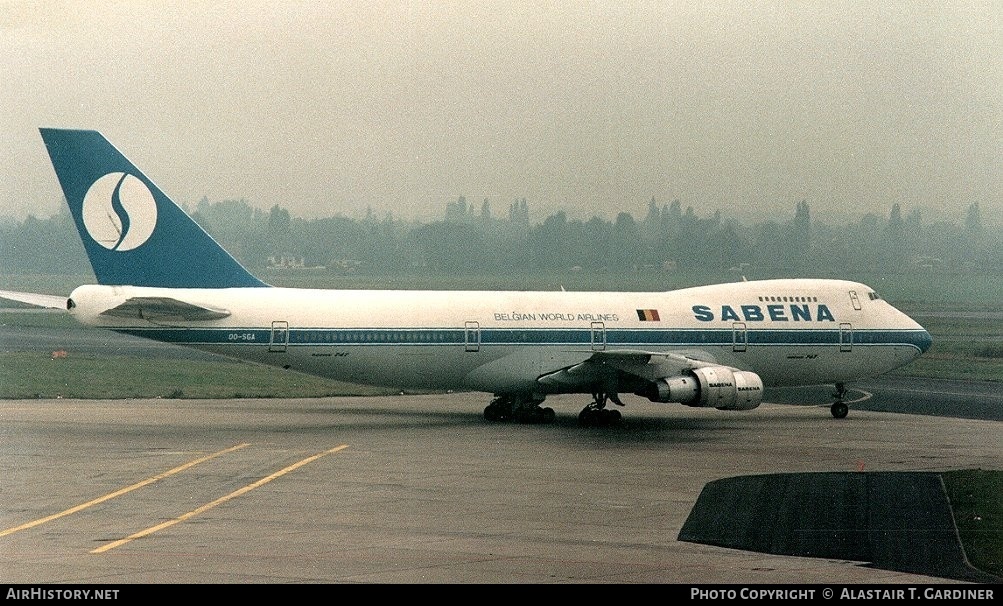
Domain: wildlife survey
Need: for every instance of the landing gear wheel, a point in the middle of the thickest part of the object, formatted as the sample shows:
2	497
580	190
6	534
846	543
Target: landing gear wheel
839	410
500	409
596	413
535	414
599	417
519	408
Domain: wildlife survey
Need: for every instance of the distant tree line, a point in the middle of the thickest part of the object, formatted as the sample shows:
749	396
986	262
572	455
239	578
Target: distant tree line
471	239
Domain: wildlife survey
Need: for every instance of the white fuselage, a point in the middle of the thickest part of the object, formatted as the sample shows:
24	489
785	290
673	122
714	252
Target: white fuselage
789	332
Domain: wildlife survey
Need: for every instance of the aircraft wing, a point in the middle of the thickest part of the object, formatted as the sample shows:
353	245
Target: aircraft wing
691	377
35	299
164	308
605	366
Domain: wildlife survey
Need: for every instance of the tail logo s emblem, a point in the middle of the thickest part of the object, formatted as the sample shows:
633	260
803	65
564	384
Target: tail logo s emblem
119	212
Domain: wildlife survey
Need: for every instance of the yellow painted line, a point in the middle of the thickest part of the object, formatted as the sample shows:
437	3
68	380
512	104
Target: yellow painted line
120	492
218	501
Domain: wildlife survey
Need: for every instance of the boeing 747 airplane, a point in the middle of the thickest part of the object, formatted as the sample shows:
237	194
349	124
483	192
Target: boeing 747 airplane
162	277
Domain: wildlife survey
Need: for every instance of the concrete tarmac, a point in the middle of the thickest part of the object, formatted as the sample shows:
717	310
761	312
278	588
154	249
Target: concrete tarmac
421	489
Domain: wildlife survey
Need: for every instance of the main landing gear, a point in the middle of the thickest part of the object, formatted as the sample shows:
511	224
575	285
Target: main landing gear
524	410
596	414
527	409
839	409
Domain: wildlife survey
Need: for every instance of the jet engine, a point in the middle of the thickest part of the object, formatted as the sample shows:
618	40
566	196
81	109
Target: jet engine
717	386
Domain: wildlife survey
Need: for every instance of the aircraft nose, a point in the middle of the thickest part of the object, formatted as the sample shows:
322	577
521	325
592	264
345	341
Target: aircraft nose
924	341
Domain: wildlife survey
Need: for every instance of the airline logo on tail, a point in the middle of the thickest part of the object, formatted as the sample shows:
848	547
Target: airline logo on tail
119	212
133	233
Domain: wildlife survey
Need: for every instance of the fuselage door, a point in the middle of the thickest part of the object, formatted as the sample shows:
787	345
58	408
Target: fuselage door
472	336
280	336
598	336
739	336
845	337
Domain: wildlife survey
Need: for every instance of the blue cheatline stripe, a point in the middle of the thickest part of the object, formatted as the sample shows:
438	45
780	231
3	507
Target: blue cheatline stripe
615	338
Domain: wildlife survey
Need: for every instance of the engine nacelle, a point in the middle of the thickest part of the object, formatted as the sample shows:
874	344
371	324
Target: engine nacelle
712	386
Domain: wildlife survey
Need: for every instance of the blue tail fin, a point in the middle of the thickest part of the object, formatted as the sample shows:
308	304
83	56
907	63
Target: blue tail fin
133	233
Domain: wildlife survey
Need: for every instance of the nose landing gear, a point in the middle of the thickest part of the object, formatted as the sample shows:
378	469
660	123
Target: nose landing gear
839	409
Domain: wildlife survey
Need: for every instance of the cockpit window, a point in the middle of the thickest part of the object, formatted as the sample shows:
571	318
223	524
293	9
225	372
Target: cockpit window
873	296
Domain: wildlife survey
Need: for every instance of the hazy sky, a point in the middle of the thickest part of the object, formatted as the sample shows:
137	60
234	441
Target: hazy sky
588	107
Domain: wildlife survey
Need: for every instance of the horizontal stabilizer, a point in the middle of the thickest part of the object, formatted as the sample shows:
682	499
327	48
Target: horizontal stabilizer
164	308
34	299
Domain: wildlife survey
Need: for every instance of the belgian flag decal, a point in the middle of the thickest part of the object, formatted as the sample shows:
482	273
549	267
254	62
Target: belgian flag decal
648	315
